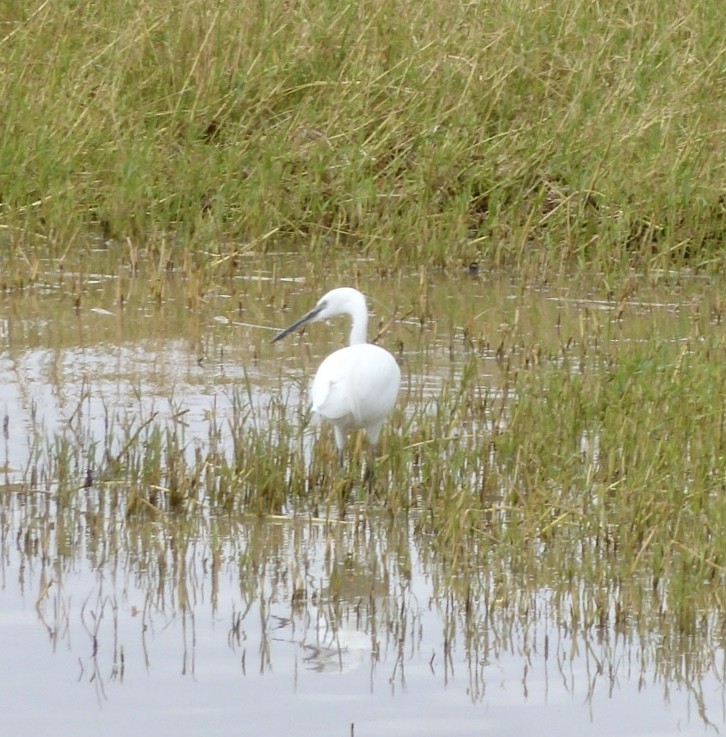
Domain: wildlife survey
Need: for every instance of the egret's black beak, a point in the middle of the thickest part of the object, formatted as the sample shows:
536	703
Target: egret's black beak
299	323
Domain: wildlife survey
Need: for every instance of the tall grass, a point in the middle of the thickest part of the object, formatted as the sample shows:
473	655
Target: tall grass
553	135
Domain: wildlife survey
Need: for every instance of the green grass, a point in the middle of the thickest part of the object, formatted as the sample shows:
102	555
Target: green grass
551	136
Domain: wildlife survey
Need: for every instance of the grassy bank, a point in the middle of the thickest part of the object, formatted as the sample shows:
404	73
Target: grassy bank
545	135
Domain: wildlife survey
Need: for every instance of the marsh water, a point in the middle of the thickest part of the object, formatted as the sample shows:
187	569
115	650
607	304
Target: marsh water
299	622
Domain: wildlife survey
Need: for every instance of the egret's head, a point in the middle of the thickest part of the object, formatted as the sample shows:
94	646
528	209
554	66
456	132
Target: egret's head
340	301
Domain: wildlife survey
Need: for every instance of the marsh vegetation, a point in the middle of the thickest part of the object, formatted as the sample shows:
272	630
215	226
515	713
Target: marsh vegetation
536	136
555	465
532	197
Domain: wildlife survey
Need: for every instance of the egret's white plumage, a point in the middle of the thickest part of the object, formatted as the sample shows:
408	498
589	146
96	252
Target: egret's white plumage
355	388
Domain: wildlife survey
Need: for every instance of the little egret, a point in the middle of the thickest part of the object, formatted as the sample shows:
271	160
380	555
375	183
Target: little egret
355	388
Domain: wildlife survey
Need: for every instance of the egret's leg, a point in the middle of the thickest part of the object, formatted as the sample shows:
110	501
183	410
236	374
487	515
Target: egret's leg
373	432
340	444
371	468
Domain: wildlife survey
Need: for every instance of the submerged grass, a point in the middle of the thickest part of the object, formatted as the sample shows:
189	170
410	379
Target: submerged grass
543	457
614	482
590	495
600	479
547	136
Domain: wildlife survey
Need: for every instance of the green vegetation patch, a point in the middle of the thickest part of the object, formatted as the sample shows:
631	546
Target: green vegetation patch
558	135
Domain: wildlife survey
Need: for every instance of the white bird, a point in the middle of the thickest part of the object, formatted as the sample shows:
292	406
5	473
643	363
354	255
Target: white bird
355	388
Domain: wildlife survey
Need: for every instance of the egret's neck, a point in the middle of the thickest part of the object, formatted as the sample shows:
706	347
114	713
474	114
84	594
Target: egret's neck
359	328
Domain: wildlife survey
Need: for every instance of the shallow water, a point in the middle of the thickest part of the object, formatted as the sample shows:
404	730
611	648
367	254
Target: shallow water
293	624
251	636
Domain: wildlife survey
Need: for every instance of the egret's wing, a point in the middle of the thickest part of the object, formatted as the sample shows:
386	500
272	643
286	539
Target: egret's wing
356	386
331	397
